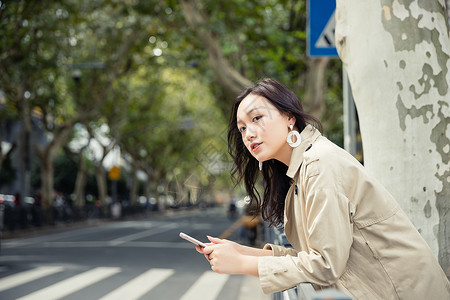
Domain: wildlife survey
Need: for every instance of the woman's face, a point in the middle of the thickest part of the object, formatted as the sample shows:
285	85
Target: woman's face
264	129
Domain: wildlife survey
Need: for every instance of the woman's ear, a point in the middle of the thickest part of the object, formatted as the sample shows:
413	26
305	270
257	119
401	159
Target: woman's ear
291	119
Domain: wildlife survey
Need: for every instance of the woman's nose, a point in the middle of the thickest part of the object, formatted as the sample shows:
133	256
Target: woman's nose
250	133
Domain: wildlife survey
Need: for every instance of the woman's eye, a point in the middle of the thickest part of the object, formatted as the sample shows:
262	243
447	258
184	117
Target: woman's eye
242	129
256	118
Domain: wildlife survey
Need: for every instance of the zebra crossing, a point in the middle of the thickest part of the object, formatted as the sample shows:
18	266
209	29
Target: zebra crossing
207	286
130	259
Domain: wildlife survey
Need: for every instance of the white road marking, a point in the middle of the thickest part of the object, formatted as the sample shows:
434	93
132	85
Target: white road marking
207	287
143	234
140	285
72	284
27	276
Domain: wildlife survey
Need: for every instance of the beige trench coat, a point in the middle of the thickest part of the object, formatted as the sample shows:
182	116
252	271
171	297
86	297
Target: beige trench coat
347	232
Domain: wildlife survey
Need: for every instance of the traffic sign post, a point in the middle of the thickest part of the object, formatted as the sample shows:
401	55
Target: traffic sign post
321	43
114	176
320	28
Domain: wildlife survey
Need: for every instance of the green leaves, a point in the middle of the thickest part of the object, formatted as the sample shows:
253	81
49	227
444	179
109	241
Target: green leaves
137	68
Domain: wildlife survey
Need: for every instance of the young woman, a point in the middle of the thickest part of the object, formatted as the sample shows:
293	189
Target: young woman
346	230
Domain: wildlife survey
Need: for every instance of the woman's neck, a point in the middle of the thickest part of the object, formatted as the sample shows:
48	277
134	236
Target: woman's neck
285	154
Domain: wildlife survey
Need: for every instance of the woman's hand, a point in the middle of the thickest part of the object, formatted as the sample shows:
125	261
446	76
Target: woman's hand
214	241
244	250
226	257
200	250
239	248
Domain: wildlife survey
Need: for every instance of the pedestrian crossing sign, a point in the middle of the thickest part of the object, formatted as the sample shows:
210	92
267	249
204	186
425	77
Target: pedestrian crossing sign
320	28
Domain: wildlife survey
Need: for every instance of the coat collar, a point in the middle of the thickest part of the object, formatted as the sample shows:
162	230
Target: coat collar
308	136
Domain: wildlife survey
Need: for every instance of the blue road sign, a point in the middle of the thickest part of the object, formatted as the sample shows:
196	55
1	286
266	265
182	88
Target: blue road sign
320	28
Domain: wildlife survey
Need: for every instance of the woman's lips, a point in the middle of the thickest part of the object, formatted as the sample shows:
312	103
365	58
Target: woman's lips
255	146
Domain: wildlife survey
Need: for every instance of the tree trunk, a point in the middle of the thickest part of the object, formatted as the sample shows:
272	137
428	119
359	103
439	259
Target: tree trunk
47	156
25	153
315	86
47	192
80	182
134	184
100	173
100	176
397	57
166	184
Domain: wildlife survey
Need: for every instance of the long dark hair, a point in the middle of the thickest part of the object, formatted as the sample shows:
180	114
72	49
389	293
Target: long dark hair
275	181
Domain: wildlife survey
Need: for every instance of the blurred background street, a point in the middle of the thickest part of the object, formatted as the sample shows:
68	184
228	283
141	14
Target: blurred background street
129	259
114	117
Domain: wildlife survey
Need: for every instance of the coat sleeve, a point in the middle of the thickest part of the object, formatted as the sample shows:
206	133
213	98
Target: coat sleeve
280	250
329	233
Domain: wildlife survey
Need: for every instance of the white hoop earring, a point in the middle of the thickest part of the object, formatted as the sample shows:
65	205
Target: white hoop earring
260	165
297	136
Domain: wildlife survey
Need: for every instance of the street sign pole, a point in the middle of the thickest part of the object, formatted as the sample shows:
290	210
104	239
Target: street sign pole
114	176
321	43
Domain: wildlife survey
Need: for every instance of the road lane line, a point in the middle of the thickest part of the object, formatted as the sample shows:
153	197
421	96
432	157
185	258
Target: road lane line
72	284
143	234
140	285
27	276
207	287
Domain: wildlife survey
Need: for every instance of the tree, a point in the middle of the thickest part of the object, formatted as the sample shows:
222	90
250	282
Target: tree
226	74
66	61
28	58
105	147
247	40
397	56
77	151
171	117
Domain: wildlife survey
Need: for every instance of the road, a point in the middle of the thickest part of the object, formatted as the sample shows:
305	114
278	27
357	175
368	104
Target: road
137	259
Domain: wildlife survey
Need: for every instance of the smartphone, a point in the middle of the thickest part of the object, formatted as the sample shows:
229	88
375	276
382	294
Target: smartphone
191	239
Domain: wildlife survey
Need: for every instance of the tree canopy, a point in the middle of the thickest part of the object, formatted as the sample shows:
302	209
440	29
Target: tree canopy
160	75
